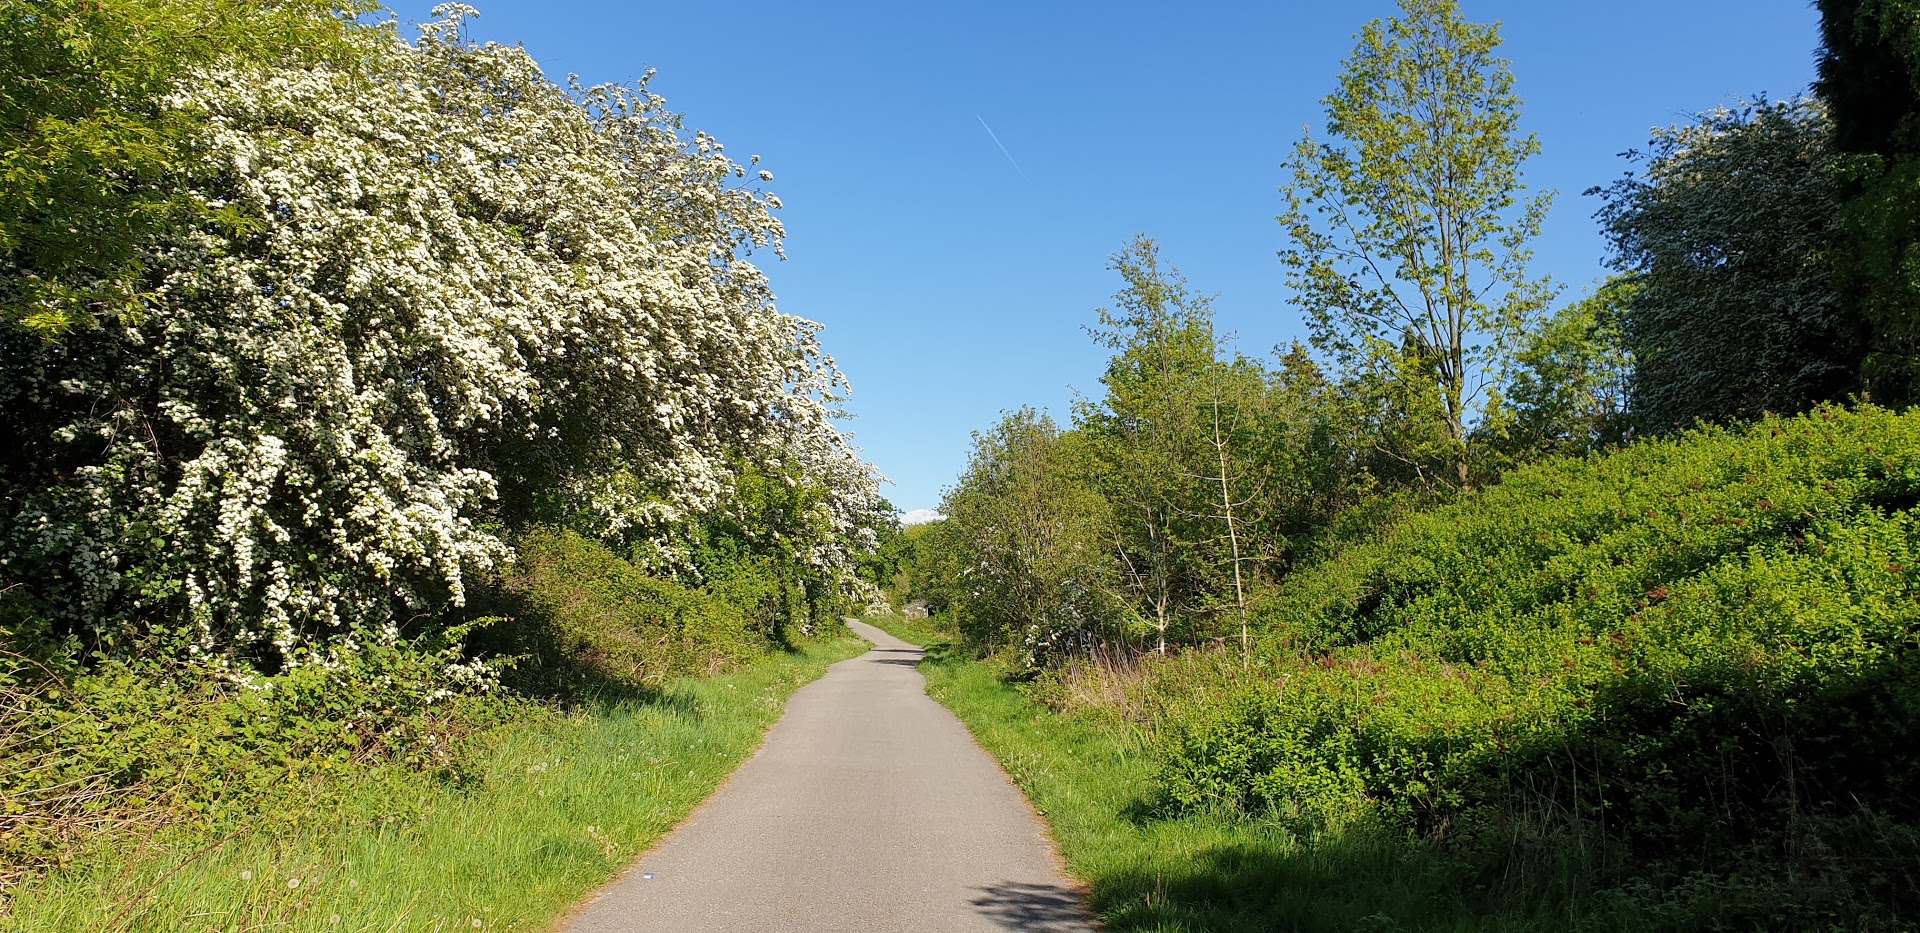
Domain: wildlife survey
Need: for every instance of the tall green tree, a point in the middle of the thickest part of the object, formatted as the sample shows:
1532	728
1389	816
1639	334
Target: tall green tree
1571	390
1727	233
1147	437
92	137
1233	404
1314	456
1870	82
1035	569
1410	225
1870	73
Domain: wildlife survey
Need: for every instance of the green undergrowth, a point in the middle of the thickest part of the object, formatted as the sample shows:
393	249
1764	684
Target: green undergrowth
1672	687
540	808
1095	777
1088	774
1694	662
586	620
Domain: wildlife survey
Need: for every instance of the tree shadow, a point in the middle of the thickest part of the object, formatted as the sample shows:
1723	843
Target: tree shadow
546	661
1041	908
1334	885
896	657
1337	886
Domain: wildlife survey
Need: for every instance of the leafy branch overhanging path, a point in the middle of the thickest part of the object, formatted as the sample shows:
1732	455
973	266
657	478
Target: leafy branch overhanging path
870	808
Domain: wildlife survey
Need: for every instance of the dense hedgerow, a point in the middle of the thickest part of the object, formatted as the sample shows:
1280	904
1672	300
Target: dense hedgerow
1687	647
411	305
584	619
92	755
437	295
99	754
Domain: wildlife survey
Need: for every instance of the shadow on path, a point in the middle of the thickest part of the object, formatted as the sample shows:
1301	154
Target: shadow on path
1043	908
898	657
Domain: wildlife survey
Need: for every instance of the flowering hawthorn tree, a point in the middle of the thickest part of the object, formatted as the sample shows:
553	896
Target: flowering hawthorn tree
437	295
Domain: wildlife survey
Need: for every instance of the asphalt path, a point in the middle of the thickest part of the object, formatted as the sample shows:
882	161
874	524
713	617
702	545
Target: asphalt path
869	807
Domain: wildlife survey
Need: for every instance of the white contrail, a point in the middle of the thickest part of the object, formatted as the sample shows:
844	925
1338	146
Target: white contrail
1003	146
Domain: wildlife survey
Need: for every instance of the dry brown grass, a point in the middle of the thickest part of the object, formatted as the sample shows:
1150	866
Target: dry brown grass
1116	681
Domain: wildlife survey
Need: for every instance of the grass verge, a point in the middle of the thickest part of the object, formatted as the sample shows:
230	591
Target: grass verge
1087	775
547	809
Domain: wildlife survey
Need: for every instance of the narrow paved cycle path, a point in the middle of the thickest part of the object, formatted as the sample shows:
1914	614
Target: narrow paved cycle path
870	808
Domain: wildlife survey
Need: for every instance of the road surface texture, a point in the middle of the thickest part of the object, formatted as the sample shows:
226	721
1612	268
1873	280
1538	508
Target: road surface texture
870	808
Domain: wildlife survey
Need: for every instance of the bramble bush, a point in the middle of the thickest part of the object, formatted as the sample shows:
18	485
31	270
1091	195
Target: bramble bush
90	754
1688	648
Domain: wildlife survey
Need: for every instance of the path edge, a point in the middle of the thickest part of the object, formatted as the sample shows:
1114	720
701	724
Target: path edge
560	923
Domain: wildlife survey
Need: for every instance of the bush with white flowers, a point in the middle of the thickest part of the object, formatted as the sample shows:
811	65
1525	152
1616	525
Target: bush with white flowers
441	296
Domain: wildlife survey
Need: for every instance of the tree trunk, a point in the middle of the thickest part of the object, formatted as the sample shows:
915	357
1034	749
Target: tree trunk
1233	534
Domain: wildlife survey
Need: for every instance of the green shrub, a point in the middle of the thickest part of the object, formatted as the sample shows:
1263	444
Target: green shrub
1698	646
136	747
583	619
90	752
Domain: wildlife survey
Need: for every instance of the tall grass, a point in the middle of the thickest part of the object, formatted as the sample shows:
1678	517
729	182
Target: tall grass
544	810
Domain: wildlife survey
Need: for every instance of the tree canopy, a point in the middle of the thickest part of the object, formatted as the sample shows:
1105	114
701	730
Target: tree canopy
1726	237
1410	225
422	298
94	144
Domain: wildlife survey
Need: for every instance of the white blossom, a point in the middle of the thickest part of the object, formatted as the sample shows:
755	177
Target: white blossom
454	285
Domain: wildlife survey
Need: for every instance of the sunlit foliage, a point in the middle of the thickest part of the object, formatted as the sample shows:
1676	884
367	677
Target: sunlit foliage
425	300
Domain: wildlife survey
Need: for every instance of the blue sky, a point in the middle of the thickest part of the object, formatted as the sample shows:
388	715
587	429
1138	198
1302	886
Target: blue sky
954	286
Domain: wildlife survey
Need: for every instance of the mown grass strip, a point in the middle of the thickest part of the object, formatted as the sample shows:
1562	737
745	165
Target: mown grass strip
551	809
